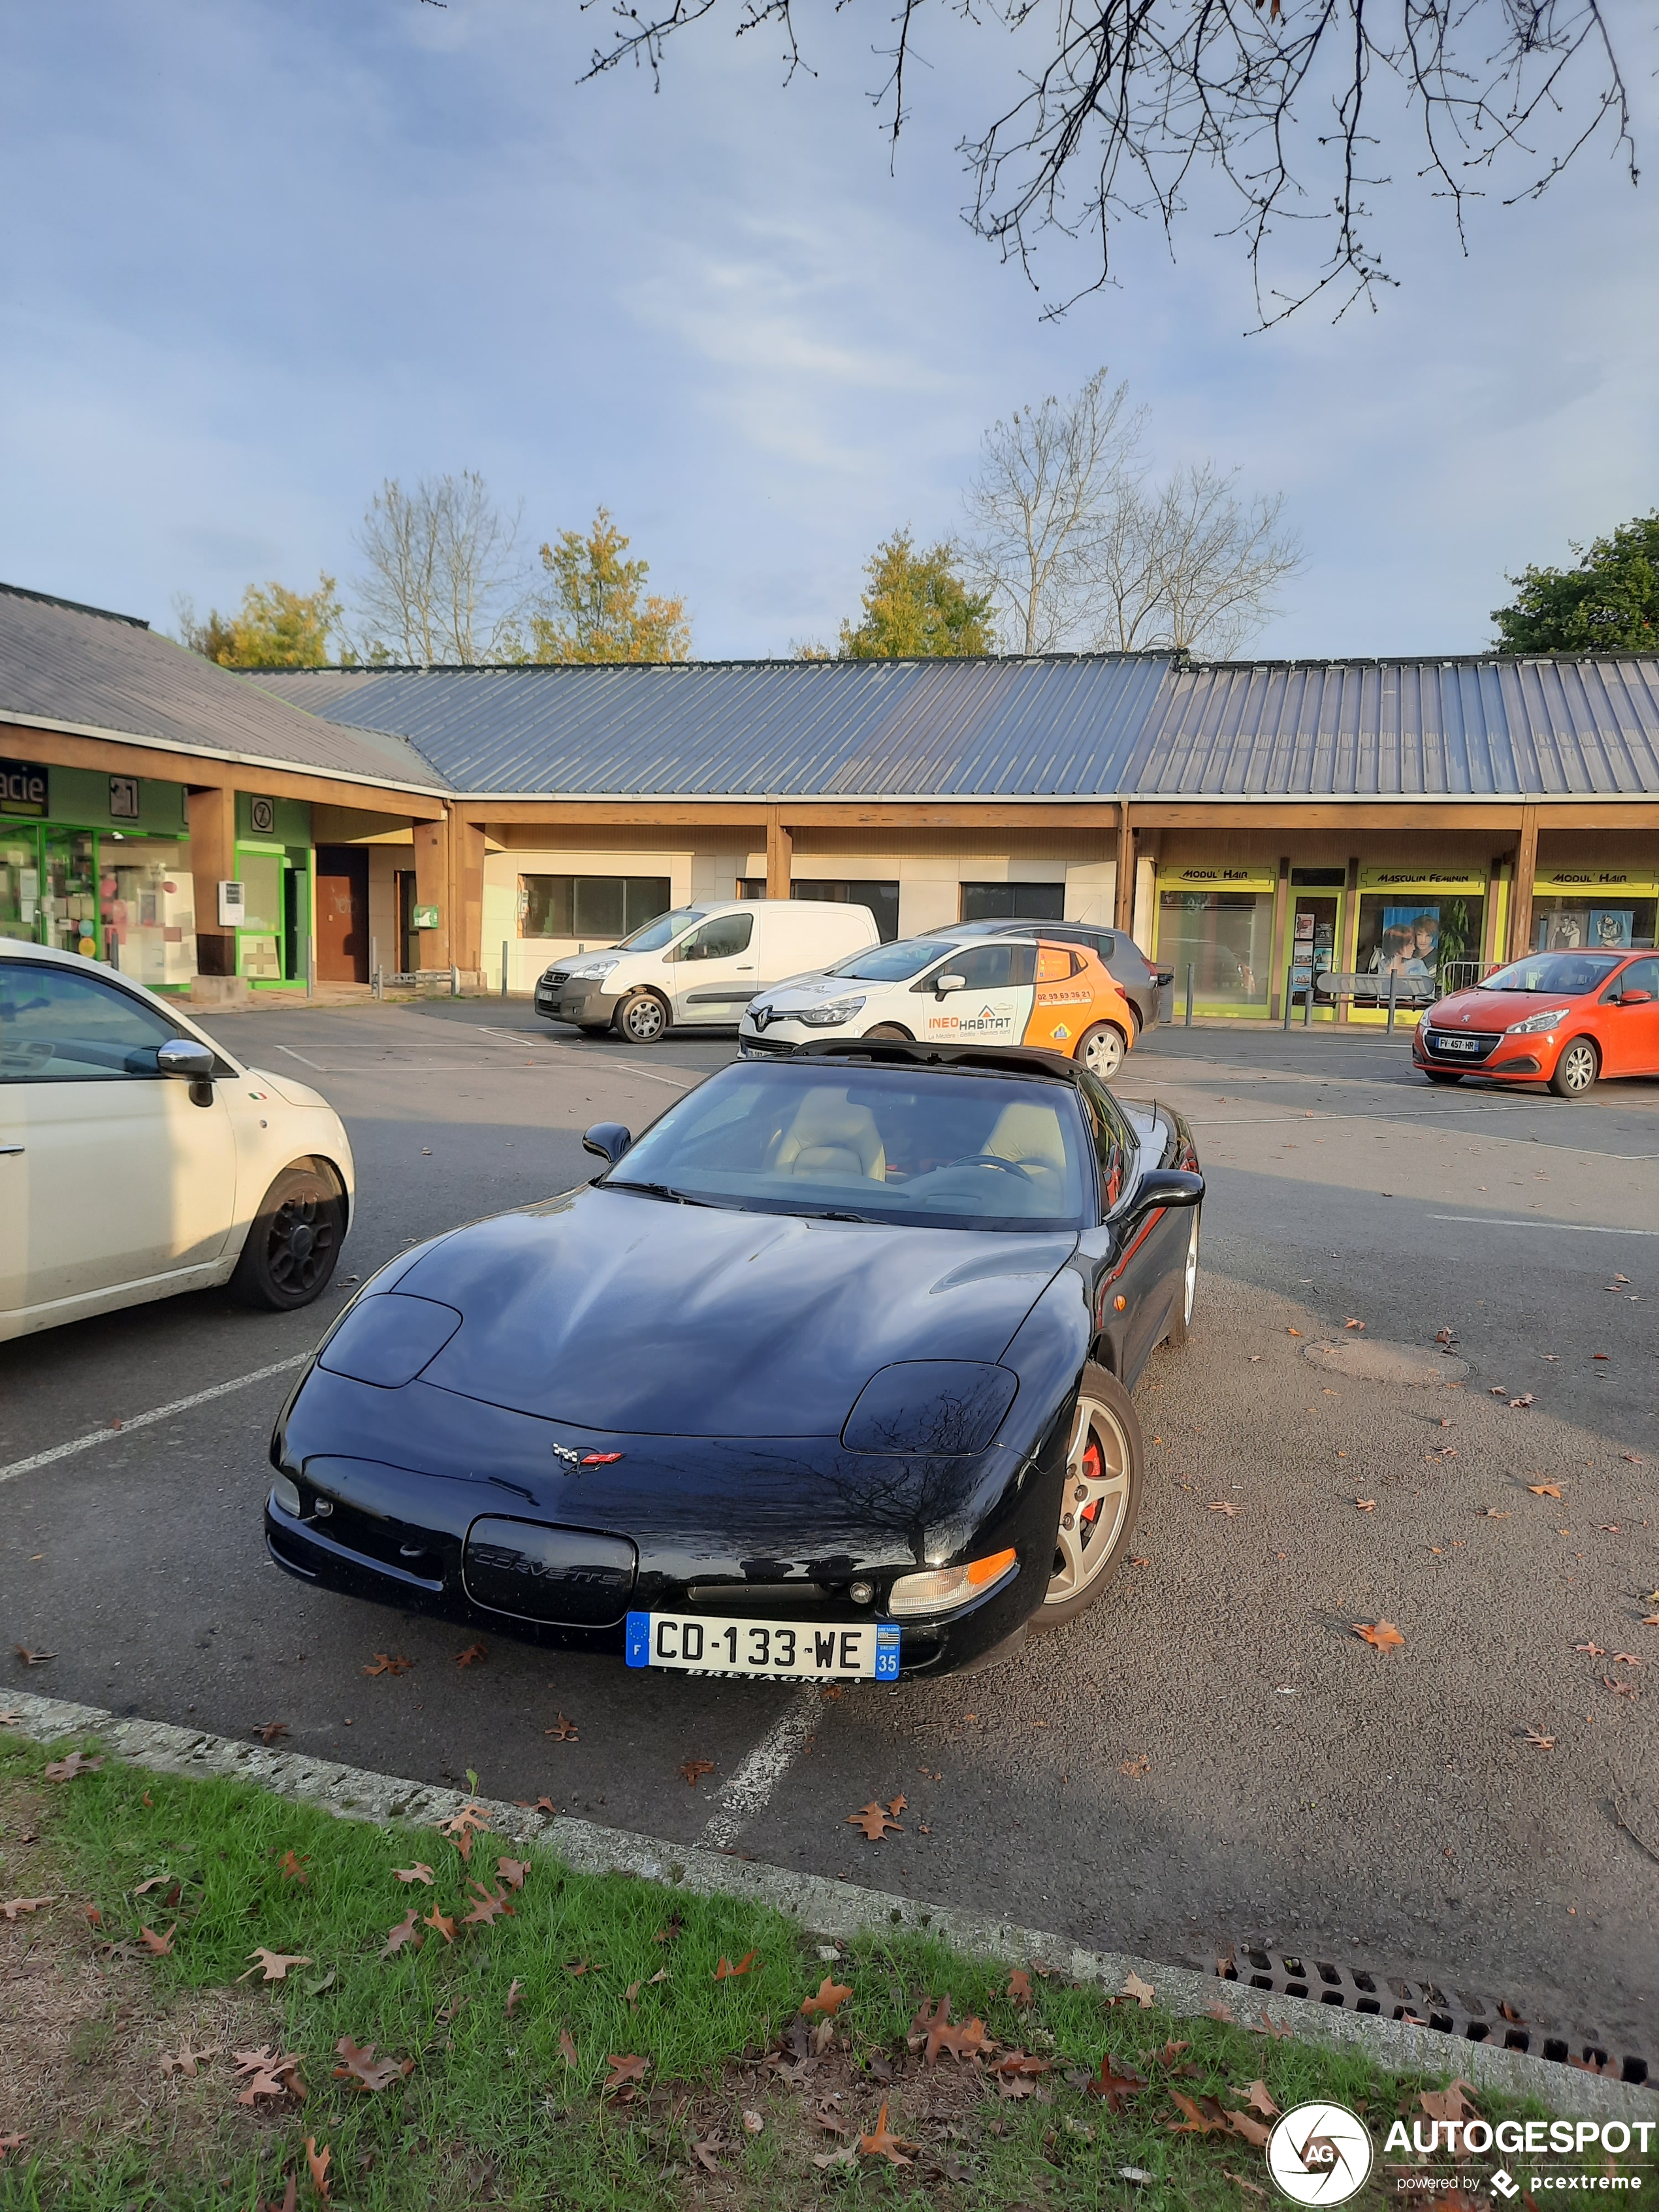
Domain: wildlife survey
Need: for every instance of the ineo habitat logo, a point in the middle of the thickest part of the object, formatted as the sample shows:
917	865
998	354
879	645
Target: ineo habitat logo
1320	2154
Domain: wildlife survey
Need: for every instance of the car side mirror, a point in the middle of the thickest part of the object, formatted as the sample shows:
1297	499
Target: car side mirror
184	1057
944	983
1636	998
607	1140
1161	1186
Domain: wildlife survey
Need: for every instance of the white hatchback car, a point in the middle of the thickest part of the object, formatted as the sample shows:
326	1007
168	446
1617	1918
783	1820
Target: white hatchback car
137	1159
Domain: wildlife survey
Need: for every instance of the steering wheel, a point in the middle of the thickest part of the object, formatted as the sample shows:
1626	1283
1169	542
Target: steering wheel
990	1160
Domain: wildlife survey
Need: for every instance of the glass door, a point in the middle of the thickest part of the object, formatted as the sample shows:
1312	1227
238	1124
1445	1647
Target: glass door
1313	944
20	881
259	939
69	890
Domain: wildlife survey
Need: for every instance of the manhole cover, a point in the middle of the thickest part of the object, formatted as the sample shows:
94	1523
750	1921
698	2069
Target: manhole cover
1368	1360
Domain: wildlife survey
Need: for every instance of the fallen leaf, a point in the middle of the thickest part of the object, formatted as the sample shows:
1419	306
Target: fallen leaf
488	1906
17	1904
1365	1504
155	1881
513	1872
1232	1511
1525	1399
383	1665
672	1933
880	2144
1456	2102
32	1658
1381	1635
1351	1323
624	2070
1292	1331
445	1926
1253	2130
1172	2050
563	1731
1634	1458
364	2070
546	1805
419	1872
1491	1513
568	2047
875	1820
65	1769
1203	2115
832	1996
1250	2188
1140	1765
10	2144
1619	1689
185	2060
406	1931
269	1731
707	2152
270	2075
473	1656
1260	2100
578	1967
292	1867
319	2160
1117	2088
160	1947
695	1769
1545	1489
1142	1992
1019	1985
726	1971
1539	1742
1016	2074
94	1915
273	1965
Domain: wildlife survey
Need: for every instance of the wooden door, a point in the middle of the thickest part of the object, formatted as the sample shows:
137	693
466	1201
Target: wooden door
341	914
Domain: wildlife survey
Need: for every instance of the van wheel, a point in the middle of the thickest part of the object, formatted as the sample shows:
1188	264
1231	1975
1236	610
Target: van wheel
889	1033
642	1019
293	1241
1101	1049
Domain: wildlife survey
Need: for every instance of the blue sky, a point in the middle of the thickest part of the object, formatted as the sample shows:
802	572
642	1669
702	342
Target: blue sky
259	254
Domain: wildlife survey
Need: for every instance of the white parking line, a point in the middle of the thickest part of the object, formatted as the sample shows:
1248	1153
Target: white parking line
1496	1221
292	1055
143	1420
745	1795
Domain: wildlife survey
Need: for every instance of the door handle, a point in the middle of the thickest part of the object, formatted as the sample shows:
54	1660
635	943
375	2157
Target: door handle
10	1148
745	968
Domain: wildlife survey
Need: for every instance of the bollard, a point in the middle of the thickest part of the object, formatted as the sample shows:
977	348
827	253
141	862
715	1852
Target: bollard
1188	1022
373	957
1290	994
379	981
503	967
454	981
1394	985
311	969
1307	1003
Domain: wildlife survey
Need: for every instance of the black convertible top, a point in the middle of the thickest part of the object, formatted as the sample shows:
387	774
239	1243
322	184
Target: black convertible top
975	1058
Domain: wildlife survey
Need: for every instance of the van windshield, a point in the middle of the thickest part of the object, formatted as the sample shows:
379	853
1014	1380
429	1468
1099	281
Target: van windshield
667	926
891	963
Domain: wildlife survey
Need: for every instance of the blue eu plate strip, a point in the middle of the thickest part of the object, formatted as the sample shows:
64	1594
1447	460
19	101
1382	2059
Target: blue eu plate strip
887	1651
639	1639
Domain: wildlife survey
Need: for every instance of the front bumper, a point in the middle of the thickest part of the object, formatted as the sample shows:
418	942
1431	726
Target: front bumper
578	1000
1497	1053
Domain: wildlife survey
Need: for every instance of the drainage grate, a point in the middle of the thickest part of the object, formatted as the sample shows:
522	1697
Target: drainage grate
1428	2004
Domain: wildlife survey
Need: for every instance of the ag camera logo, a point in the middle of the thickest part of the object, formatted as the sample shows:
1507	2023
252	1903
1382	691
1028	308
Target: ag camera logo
1320	2154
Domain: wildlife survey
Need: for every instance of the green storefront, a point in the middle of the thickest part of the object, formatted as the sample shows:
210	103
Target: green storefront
275	868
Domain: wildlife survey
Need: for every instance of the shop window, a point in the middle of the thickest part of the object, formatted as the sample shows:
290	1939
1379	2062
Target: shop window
1318	879
1014	901
590	906
1224	937
1420	934
882	899
68	891
1597	922
20	883
149	899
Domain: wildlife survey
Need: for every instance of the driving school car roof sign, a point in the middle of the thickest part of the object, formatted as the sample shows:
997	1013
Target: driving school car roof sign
22	787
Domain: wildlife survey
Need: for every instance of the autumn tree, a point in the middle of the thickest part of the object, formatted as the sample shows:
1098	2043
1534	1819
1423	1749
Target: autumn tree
273	628
592	608
917	606
442	574
1607	603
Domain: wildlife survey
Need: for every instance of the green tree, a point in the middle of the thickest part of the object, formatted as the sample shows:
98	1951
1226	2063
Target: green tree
917	606
592	608
1608	604
274	628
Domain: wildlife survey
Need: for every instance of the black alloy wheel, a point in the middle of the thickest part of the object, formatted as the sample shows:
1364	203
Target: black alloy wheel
293	1242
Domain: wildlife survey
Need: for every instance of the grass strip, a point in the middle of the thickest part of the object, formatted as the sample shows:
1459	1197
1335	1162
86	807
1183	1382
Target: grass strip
495	2040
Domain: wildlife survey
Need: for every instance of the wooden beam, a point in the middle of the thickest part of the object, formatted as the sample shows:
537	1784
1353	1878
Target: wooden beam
113	755
614	813
212	861
1123	903
1277	817
432	889
1276	942
1526	870
780	856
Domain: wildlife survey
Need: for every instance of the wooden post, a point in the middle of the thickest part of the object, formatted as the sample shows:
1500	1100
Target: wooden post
780	856
431	889
466	850
212	861
1124	911
1526	868
1276	960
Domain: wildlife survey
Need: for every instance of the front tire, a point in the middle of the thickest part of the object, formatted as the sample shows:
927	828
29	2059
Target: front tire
1180	1321
642	1019
1104	1468
1576	1066
293	1242
1101	1049
887	1033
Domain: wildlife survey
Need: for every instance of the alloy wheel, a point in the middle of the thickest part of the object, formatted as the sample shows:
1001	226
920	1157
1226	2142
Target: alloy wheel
1190	1289
1577	1068
301	1241
1094	1503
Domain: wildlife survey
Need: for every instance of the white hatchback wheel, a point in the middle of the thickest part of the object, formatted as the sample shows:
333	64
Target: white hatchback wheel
1101	1050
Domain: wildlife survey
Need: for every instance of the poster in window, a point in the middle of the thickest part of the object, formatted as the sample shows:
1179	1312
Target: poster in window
1610	928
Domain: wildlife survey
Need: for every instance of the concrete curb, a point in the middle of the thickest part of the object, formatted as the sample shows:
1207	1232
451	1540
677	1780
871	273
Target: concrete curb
823	1907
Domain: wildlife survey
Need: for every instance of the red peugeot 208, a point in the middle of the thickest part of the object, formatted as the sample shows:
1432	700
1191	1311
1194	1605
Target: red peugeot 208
1564	1018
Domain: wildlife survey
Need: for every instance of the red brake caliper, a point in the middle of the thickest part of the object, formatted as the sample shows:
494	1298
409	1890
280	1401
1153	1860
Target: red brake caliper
1091	1473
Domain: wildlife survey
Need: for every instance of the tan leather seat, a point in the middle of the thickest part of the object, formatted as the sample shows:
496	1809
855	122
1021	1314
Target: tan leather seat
831	1141
1030	1136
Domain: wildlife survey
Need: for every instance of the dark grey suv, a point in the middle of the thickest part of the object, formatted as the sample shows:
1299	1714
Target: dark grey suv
1140	983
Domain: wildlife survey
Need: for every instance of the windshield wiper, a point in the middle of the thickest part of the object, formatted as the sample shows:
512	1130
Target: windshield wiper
828	1214
658	1190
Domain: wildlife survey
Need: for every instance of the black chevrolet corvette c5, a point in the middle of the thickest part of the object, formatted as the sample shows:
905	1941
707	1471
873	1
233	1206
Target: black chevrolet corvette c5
827	1374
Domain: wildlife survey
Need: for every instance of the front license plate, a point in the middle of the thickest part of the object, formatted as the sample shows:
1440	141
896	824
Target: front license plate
701	1644
1457	1044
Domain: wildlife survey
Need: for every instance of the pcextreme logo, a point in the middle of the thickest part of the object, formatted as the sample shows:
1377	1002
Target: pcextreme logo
1320	2154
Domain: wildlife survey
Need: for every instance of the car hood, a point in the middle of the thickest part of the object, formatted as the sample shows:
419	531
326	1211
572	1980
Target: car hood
290	1092
1491	1010
618	1313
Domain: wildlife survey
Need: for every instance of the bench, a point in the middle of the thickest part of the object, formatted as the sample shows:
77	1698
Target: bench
1392	990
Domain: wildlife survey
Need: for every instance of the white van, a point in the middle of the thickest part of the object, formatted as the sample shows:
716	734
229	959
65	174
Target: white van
699	966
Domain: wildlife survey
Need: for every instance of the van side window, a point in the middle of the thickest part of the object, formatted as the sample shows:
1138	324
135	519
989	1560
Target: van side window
720	938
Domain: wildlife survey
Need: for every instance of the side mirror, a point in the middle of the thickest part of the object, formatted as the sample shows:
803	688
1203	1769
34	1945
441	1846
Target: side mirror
183	1057
608	1140
1636	998
944	983
1165	1186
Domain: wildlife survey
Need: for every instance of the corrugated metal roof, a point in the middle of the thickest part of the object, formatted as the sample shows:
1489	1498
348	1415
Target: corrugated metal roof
74	665
1088	727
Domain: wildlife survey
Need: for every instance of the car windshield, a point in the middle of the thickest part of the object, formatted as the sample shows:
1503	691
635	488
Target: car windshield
1556	975
655	935
937	1146
889	963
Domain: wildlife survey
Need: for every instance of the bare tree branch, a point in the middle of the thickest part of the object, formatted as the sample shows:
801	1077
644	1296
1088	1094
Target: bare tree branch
443	568
1124	108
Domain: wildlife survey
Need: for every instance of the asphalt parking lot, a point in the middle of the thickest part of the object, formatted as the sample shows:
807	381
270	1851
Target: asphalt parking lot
1211	1754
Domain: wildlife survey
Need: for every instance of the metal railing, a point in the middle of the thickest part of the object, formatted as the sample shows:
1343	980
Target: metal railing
1464	974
